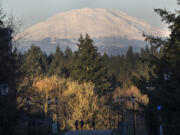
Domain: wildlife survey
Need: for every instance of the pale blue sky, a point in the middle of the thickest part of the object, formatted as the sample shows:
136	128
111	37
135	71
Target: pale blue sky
33	11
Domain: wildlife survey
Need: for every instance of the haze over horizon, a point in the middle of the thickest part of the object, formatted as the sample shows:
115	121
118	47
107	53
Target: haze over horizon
35	11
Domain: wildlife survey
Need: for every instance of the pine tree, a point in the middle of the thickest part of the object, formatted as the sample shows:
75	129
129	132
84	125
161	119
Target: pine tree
68	59
162	79
57	65
87	65
68	53
7	79
35	62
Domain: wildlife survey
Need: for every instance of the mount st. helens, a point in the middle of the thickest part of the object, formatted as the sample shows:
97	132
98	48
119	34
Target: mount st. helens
112	31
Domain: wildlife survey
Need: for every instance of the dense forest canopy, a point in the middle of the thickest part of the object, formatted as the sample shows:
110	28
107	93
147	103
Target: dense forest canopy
43	76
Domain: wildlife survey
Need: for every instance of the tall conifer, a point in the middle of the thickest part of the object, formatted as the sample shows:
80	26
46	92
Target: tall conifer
87	65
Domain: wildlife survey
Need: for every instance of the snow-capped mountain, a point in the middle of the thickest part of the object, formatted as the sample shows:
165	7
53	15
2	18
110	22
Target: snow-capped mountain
107	27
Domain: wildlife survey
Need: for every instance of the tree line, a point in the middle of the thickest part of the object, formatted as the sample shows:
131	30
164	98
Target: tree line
73	74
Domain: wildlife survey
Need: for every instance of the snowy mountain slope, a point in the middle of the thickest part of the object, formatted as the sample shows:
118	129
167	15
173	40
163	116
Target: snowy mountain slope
100	24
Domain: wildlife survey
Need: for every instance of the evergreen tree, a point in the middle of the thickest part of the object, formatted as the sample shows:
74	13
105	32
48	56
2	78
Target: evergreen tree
162	79
57	65
121	68
68	53
35	62
68	59
7	79
130	58
87	65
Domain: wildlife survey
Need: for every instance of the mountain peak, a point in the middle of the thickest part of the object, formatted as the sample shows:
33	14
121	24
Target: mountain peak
97	22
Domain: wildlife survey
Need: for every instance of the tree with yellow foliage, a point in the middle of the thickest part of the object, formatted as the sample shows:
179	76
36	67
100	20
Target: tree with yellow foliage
127	93
76	102
82	103
47	87
126	108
